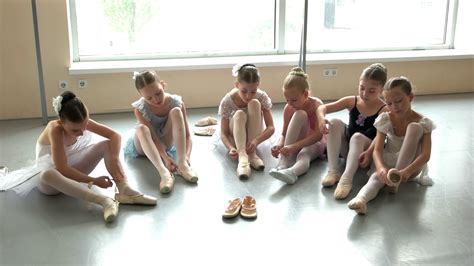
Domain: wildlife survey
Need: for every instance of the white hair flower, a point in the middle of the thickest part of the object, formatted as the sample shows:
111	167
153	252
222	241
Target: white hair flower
235	69
135	75
57	103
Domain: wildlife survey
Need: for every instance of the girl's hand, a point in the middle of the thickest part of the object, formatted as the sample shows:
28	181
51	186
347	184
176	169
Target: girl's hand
382	175
233	154
324	126
288	150
170	165
102	181
404	175
276	151
252	146
364	159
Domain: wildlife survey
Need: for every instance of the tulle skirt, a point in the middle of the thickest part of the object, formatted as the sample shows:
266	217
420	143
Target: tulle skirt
23	180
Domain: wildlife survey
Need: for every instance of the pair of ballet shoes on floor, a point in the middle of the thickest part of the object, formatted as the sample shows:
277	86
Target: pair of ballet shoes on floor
206	122
246	207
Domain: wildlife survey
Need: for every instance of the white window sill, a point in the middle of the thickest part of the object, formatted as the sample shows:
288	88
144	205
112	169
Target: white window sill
99	67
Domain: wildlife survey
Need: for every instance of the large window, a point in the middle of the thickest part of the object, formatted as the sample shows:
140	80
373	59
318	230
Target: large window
146	29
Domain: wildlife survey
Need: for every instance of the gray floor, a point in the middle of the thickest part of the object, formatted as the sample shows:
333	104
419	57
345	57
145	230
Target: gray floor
296	225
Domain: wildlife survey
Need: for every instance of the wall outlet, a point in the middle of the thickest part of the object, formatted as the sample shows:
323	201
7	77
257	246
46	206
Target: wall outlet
82	84
330	72
62	85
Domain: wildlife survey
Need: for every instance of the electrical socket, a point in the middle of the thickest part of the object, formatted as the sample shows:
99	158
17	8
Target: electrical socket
330	72
62	85
82	84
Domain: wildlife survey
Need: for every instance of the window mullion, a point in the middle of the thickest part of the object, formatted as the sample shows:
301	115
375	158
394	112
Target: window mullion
280	7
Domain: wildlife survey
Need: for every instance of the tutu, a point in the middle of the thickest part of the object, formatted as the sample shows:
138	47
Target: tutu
23	180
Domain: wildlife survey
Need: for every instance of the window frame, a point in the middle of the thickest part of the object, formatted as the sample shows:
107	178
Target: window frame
279	40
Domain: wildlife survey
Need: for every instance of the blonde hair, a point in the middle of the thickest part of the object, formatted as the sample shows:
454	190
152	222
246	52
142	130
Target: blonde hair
297	78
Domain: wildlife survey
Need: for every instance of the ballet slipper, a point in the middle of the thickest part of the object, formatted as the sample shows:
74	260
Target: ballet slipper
232	209
256	163
111	211
166	184
330	179
358	205
140	199
188	174
394	177
342	190
249	208
243	170
206	121
285	175
207	131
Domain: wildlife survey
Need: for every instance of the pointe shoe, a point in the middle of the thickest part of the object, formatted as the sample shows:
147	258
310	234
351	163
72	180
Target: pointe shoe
256	163
394	177
166	184
342	190
243	170
188	175
284	175
358	205
330	179
249	208
232	209
111	211
140	199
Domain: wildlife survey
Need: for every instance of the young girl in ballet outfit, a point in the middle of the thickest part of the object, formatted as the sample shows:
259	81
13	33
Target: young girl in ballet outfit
67	154
402	145
353	141
301	138
162	130
242	111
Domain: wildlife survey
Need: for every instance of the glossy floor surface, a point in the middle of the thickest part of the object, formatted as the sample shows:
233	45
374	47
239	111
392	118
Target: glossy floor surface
299	224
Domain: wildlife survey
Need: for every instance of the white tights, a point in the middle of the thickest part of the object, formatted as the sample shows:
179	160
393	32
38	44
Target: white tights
174	132
53	182
337	145
246	127
408	152
297	130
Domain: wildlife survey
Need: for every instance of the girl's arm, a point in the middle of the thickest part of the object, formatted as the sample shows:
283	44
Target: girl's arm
115	143
420	160
365	157
189	141
56	135
225	133
281	141
108	133
378	156
341	104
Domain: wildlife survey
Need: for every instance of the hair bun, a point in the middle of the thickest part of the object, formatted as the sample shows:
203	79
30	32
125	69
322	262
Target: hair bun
298	71
67	96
